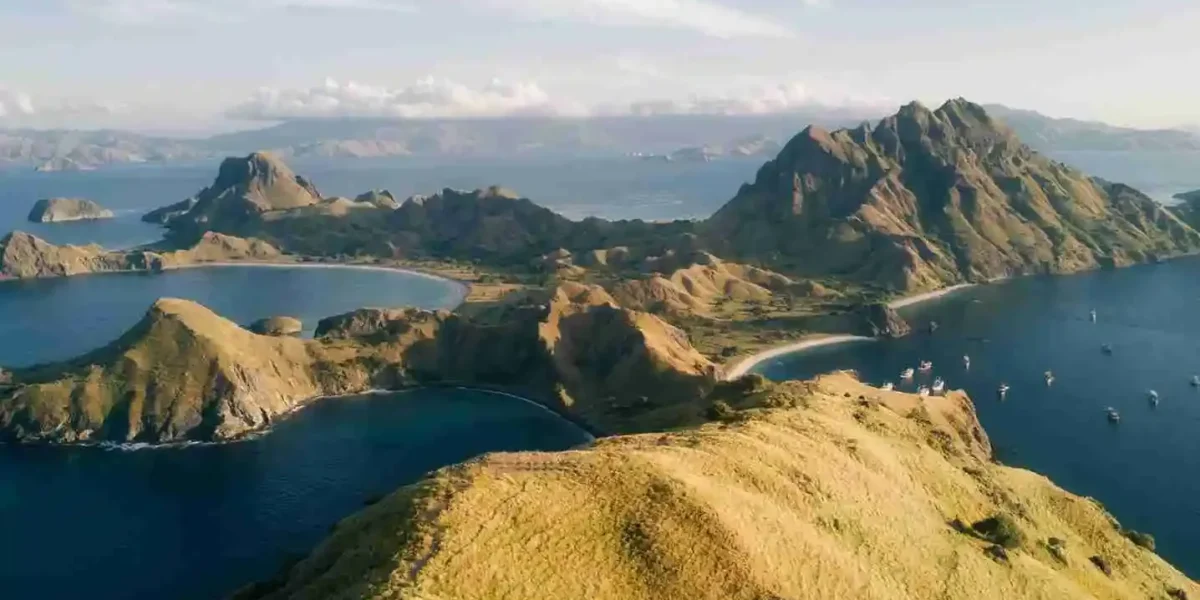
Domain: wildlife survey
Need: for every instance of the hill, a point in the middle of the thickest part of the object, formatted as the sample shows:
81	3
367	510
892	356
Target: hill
822	497
1050	135
929	198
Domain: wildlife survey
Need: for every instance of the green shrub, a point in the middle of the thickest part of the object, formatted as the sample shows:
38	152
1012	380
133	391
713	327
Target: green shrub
721	411
1000	529
1144	540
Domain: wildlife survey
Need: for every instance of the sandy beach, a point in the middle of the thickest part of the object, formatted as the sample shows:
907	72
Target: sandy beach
918	298
744	366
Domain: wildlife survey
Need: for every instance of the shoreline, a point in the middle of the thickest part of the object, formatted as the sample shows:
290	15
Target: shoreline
919	298
463	287
744	366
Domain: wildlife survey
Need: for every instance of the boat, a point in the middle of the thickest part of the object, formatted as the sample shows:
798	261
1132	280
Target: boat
926	365
1003	389
1049	378
923	391
1093	315
887	386
906	374
966	361
1195	380
939	385
933	326
1113	415
1106	348
1152	396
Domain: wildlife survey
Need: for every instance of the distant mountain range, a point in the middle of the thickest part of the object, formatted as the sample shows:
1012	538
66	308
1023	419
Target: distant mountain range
682	137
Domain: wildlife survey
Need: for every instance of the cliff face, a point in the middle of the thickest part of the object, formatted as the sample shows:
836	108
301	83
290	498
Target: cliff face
830	497
927	198
58	210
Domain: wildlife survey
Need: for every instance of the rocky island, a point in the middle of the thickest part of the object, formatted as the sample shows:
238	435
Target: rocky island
58	210
705	486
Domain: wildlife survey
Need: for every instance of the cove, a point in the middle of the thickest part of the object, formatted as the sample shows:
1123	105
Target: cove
198	522
54	319
1143	470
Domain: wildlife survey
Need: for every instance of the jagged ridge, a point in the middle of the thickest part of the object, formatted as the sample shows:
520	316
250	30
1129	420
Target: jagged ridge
925	199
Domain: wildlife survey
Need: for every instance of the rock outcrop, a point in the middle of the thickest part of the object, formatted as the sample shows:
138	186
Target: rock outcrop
58	210
278	326
26	256
929	198
166	214
244	189
843	491
880	320
378	198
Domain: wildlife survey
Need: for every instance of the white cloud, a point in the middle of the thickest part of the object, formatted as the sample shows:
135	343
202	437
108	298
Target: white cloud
704	16
426	98
15	104
762	99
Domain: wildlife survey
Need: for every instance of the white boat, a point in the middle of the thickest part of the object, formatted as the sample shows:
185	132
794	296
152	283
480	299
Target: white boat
1093	315
1152	396
966	361
938	385
1113	415
887	386
906	374
1003	389
923	391
926	365
1195	380
1049	378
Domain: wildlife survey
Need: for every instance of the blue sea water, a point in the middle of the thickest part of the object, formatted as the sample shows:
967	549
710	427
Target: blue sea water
1145	469
196	523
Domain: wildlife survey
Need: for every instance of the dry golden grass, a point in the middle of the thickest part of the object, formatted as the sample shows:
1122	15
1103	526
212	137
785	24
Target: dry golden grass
842	498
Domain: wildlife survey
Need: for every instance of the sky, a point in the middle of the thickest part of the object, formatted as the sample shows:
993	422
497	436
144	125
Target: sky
207	65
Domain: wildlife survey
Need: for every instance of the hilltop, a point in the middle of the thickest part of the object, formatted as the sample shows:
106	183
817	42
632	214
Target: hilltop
838	490
930	198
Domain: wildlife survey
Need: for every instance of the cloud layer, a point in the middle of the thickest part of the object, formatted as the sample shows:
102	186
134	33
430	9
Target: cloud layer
426	98
432	97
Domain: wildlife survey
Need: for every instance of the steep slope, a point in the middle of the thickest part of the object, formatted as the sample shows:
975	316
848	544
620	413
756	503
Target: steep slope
243	190
186	373
930	198
181	373
826	498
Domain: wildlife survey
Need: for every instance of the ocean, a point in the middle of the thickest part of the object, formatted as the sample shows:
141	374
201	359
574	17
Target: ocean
1143	470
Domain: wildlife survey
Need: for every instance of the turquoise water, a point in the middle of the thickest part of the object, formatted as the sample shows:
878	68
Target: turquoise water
1145	469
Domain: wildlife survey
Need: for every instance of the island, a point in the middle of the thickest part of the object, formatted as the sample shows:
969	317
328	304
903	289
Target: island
1192	196
62	163
59	210
706	482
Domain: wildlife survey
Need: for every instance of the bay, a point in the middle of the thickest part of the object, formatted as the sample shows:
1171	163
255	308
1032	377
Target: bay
1144	469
